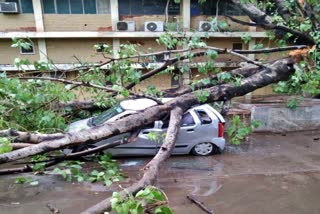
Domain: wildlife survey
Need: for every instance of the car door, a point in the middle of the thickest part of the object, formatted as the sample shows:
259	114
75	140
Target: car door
208	125
151	138
186	135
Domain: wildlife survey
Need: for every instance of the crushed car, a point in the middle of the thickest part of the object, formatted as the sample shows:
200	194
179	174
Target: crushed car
201	131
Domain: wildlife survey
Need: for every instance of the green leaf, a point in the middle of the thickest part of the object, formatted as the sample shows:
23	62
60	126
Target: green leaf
212	54
258	46
163	210
5	145
107	182
223	24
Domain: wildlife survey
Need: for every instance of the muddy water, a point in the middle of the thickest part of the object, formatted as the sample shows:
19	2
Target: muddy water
268	174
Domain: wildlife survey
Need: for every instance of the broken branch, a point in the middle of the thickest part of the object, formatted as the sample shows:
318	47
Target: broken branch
200	204
152	168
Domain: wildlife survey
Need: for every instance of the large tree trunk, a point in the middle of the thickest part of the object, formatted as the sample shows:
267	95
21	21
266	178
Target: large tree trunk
279	70
152	168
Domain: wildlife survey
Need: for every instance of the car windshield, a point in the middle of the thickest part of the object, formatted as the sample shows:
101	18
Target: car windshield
105	116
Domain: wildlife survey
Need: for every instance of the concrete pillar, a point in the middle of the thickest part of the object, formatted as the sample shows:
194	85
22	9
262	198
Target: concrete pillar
38	18
114	8
114	13
186	14
42	50
116	47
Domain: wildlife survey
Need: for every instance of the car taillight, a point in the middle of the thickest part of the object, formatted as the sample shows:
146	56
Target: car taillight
220	131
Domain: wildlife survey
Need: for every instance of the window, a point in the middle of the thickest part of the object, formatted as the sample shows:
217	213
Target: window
27	50
175	80
187	120
76	6
107	115
204	117
147	7
25	6
237	46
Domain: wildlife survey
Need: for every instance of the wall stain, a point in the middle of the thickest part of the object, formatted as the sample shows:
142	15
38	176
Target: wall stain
105	29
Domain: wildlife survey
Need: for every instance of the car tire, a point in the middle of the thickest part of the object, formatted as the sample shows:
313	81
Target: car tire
205	149
84	148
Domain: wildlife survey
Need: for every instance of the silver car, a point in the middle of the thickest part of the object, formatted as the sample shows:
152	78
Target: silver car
201	131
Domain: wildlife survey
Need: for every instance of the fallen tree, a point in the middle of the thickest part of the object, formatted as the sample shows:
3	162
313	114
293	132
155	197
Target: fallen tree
152	168
277	71
119	78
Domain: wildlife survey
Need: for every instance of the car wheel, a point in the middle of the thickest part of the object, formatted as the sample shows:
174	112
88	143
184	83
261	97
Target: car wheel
204	149
85	148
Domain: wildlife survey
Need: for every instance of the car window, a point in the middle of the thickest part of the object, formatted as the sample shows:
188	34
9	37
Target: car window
105	116
165	123
204	117
149	126
187	120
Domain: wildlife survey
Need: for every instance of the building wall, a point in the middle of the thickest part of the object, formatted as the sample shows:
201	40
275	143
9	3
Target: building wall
64	50
67	51
222	43
161	81
269	56
8	53
144	44
77	22
17	22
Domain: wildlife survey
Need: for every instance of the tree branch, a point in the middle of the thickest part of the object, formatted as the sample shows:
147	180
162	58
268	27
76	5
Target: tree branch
29	137
279	70
303	36
152	168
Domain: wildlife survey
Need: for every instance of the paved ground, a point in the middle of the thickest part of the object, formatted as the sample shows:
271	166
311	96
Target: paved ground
268	174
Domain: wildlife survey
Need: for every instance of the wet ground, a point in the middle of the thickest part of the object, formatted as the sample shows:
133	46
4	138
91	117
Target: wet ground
269	174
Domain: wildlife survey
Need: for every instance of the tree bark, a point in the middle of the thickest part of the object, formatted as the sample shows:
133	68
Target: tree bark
279	70
283	9
265	21
152	168
29	137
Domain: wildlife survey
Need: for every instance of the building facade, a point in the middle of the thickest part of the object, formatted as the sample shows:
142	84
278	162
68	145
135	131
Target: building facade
66	31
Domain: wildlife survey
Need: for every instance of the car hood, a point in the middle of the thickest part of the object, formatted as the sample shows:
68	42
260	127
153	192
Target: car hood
79	125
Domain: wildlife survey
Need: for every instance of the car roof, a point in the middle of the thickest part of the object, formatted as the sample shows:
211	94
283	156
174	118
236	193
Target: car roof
140	103
137	104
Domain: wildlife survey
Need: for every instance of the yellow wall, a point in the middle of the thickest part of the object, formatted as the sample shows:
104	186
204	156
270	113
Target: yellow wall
269	56
77	22
64	50
221	43
8	54
161	81
17	22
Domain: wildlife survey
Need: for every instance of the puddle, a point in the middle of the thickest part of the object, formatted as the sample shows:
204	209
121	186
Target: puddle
270	174
130	163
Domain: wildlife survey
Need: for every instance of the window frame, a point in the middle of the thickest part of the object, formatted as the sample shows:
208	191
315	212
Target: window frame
69	6
202	119
28	53
129	9
235	44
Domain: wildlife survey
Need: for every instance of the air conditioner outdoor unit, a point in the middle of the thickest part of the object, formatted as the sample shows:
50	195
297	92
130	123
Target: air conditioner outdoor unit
154	26
126	26
205	26
9	7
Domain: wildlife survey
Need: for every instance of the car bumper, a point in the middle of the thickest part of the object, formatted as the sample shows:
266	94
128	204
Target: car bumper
219	142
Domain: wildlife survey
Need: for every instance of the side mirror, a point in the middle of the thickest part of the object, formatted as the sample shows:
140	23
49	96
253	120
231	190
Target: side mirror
158	124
